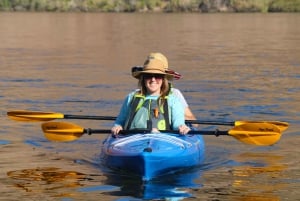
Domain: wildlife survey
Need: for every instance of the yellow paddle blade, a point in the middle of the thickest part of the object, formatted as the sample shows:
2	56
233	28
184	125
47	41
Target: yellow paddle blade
62	131
256	133
33	116
281	125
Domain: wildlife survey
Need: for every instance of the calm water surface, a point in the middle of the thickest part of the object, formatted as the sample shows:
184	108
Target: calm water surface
234	67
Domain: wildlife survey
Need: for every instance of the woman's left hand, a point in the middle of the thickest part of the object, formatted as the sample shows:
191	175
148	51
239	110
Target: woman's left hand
184	129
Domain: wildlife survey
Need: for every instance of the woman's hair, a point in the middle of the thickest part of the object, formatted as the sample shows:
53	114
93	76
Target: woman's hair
164	90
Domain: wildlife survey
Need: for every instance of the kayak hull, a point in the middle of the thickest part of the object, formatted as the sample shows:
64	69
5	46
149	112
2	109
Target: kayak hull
152	155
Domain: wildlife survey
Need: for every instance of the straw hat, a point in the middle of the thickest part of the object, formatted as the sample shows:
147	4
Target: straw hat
156	63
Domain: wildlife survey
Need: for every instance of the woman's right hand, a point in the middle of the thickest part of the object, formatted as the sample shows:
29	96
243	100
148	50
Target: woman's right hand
116	129
184	129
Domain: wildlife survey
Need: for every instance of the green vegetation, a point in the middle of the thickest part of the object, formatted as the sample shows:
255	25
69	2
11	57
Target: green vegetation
285	6
151	5
251	6
266	5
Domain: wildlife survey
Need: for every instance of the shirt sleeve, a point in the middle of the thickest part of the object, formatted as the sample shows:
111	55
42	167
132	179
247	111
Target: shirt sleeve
124	111
176	112
178	94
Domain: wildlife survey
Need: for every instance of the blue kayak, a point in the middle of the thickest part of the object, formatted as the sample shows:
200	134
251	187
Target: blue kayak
152	155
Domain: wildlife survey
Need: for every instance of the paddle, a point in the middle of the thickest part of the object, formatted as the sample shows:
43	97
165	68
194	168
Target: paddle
248	133
23	115
32	116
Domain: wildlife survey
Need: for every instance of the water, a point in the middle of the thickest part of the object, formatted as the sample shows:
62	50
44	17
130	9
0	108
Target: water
234	67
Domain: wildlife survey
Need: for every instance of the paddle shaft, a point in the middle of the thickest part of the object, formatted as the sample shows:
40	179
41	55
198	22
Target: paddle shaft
70	116
193	132
278	123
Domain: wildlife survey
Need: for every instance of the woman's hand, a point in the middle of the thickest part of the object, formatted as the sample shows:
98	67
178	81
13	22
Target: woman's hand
184	129
116	129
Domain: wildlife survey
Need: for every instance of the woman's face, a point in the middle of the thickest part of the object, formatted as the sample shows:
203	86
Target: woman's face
153	83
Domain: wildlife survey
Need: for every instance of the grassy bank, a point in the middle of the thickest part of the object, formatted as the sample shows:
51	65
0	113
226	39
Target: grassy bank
266	5
151	5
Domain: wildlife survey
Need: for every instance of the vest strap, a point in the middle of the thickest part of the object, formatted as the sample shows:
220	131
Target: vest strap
166	115
136	104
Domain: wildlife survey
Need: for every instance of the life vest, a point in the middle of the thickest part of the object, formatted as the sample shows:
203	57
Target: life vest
146	114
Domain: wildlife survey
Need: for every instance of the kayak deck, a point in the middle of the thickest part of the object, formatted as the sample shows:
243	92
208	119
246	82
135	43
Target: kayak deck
152	155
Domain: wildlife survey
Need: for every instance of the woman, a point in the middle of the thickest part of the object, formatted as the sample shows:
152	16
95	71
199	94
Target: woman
152	106
176	92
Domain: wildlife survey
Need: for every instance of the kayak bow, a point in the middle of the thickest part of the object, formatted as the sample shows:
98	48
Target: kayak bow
152	155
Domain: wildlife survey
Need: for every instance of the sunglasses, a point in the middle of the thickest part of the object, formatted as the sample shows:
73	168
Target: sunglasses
156	76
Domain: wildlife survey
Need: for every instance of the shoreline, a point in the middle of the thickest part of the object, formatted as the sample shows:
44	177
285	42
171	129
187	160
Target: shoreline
152	6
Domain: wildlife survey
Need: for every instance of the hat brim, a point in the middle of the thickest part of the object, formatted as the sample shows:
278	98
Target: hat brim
153	66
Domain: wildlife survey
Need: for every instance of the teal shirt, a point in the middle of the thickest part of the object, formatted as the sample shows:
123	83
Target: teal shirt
176	110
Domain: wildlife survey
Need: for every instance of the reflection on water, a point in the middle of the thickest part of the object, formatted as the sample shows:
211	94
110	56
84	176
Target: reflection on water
2	142
255	176
171	187
45	179
270	168
71	184
266	163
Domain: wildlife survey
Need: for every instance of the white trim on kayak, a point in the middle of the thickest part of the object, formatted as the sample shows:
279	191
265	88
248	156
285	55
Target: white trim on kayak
162	137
